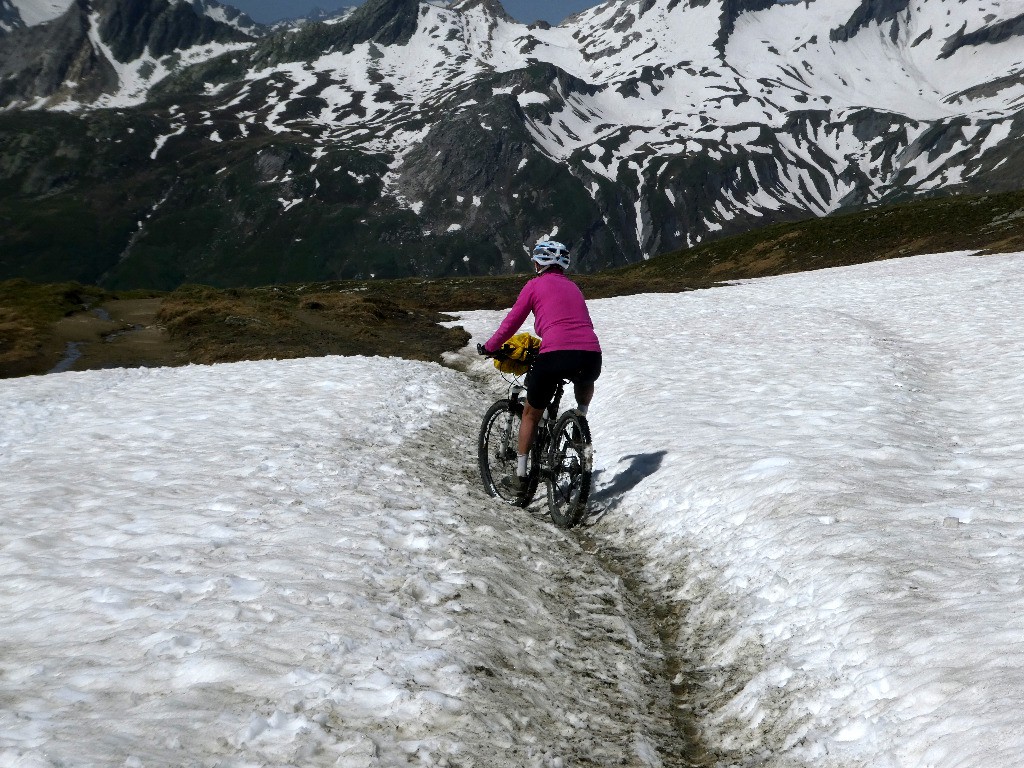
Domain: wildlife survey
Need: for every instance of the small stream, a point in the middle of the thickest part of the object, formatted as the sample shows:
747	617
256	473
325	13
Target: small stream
72	352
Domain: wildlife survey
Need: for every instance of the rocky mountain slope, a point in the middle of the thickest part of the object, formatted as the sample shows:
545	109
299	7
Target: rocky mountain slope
168	143
75	55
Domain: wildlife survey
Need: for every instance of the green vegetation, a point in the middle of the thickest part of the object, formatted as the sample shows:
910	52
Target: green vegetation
992	223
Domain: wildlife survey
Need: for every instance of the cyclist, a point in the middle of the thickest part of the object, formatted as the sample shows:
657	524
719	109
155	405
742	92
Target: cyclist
569	346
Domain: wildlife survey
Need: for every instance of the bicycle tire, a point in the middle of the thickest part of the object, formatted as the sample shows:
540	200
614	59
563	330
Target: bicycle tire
570	462
496	452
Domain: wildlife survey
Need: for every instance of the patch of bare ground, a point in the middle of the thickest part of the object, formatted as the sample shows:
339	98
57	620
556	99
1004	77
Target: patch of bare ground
118	334
992	223
207	325
288	321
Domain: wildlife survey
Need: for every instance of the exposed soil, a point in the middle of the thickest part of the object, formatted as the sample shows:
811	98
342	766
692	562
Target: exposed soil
120	333
298	321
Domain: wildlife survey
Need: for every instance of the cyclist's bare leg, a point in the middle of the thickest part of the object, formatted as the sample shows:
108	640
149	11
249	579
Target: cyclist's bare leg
528	427
584	394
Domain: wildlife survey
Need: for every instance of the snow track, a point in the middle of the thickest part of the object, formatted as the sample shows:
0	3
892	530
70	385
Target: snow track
625	703
820	479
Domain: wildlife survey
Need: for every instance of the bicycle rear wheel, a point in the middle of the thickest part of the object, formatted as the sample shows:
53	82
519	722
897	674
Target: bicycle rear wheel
571	460
496	453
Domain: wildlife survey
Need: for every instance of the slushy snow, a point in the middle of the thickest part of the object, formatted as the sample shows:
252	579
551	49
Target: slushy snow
811	488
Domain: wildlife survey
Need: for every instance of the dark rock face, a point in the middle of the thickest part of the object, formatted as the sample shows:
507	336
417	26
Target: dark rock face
731	10
133	27
481	174
58	58
38	62
492	8
10	19
868	12
996	33
385	22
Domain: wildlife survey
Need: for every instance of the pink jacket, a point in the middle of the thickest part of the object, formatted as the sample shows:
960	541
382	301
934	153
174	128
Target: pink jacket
560	315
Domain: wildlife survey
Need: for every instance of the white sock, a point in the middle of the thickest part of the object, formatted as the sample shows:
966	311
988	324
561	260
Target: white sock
521	464
583	409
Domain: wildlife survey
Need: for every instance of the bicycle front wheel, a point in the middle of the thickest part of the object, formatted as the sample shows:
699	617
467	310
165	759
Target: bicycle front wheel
496	453
571	460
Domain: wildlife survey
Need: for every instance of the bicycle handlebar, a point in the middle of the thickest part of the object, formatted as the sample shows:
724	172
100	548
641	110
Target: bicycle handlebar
500	354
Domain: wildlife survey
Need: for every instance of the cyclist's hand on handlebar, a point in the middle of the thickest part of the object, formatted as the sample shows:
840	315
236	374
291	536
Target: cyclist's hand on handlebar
482	350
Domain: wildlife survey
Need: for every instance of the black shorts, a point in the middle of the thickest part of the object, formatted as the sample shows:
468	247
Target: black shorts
577	365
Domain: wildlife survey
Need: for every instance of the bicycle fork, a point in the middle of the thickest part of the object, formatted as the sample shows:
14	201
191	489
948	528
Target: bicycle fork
540	448
510	441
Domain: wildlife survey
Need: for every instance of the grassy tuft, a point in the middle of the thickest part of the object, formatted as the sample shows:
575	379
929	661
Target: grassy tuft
296	321
990	223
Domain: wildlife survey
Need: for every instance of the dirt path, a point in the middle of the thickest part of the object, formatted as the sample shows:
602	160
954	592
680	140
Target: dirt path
627	663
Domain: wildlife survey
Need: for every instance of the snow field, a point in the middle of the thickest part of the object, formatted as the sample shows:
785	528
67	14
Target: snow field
290	563
829	431
823	477
816	479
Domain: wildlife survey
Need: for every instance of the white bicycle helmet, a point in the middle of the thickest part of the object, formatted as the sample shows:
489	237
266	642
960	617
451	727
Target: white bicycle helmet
550	253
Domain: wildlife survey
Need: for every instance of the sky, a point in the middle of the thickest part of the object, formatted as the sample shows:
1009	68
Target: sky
267	11
807	515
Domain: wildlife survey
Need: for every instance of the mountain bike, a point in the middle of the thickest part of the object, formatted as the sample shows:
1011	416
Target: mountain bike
562	455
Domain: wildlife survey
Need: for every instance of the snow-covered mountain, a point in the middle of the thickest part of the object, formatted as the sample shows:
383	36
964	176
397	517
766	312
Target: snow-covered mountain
635	127
59	54
314	16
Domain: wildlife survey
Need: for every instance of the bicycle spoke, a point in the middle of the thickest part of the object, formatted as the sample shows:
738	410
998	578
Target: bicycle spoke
570	460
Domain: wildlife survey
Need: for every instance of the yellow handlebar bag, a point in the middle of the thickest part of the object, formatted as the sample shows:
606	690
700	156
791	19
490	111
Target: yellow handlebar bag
517	354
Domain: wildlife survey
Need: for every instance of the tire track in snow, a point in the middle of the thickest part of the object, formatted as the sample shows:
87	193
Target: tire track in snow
630	684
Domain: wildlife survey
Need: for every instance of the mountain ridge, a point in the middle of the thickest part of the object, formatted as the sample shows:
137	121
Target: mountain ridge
633	128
